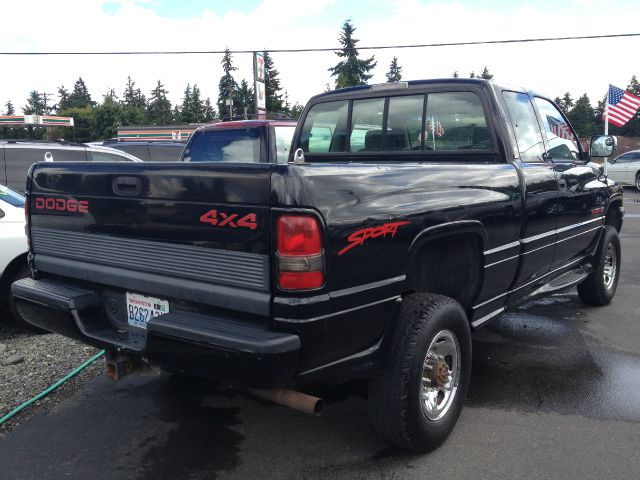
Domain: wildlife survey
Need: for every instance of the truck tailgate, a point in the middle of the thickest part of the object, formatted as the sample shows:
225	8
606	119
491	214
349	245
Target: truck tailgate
195	232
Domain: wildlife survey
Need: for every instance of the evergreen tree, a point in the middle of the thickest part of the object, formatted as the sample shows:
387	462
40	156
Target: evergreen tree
110	95
63	98
159	110
472	75
84	124
197	105
227	85
186	113
632	128
296	110
395	71
7	132
558	101
244	99
582	117
455	74
272	88
485	74
108	116
10	109
598	113
351	71
133	97
35	104
209	111
566	103
79	97
176	114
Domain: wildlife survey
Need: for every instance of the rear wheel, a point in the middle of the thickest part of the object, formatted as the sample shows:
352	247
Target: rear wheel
600	286
638	180
417	399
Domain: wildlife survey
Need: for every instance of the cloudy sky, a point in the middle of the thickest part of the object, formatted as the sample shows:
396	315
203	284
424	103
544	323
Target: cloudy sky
96	25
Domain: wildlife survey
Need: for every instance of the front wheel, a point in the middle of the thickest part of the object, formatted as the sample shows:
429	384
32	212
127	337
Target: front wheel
600	286
415	402
638	180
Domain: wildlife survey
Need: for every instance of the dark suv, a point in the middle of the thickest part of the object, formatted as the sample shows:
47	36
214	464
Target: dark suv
16	156
149	150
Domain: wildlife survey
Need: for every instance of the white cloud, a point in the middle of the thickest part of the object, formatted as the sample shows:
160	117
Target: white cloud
550	67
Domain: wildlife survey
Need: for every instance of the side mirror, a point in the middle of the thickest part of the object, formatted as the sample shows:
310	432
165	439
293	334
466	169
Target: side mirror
602	145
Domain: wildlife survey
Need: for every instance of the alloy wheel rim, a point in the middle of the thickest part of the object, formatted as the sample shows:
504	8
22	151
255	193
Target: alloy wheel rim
440	375
610	266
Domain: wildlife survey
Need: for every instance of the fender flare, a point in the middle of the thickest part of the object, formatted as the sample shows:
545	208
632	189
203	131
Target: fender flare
445	229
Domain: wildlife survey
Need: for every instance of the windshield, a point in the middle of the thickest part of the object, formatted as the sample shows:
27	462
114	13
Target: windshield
11	197
240	145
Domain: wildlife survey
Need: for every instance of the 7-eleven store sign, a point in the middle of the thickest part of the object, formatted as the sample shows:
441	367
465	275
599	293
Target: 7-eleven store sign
37	120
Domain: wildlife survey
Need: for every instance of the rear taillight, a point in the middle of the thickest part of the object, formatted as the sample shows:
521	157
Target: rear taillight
299	252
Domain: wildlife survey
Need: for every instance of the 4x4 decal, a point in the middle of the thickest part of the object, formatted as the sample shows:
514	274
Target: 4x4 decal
231	220
358	237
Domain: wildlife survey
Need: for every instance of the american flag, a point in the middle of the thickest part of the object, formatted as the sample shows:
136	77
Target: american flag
559	128
435	127
622	106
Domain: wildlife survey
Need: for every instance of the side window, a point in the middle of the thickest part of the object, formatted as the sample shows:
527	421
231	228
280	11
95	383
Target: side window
284	135
140	151
325	128
563	144
105	157
456	121
624	158
404	123
165	153
66	155
525	125
366	125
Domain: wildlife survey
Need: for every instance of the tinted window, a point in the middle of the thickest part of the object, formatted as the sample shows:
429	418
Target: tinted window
18	159
325	128
563	144
11	197
105	157
525	126
404	123
140	151
165	153
284	135
366	125
237	145
456	121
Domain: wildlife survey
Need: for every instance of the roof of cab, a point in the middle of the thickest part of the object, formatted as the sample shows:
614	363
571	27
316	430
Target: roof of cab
248	124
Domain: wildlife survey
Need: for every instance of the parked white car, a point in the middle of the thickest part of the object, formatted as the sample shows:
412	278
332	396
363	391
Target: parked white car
625	169
13	251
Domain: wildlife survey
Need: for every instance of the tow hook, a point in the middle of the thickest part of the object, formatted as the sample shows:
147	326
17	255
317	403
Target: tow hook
119	364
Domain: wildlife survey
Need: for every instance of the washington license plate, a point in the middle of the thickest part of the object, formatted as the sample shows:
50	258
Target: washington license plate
141	309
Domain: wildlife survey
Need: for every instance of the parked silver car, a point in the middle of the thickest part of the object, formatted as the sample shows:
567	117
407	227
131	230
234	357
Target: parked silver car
625	169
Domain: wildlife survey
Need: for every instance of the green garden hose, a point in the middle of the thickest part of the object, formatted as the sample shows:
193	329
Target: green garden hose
51	388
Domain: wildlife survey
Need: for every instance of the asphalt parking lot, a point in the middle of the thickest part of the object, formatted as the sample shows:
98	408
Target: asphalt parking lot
555	394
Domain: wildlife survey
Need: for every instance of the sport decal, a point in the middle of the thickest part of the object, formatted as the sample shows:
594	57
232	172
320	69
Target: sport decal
231	220
358	237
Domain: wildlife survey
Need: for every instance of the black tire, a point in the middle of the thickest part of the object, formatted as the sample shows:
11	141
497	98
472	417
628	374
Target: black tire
638	180
395	396
21	271
596	289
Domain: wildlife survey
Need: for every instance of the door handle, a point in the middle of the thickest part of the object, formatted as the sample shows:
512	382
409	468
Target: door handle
127	186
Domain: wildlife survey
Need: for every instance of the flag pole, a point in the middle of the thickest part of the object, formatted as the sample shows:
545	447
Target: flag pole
606	127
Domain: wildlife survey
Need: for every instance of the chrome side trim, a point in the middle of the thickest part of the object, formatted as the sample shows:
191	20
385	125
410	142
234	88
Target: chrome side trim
368	286
486	318
501	261
559	230
506	246
341	312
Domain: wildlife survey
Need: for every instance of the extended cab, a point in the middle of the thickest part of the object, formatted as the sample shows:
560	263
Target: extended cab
407	215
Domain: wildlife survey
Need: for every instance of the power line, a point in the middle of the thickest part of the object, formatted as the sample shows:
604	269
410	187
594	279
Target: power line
301	50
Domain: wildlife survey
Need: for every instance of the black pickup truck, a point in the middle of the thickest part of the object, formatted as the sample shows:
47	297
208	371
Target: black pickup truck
407	215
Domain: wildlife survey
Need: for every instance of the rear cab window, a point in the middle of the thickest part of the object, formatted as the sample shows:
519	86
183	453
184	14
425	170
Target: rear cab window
392	125
229	145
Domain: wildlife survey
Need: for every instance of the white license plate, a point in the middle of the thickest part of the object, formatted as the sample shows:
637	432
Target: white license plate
141	309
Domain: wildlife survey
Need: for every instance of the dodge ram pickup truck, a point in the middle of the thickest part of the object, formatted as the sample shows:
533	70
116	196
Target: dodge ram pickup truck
407	215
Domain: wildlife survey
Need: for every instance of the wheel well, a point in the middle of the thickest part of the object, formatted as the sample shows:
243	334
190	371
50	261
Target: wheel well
9	272
450	266
613	217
